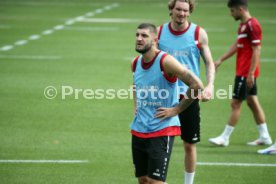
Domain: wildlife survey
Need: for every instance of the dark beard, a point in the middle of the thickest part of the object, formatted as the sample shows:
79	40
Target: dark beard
237	18
179	23
143	51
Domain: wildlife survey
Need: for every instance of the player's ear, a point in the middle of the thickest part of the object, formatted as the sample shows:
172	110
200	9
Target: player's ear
240	8
155	40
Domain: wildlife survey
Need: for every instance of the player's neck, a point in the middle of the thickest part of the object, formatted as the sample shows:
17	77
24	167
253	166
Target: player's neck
148	56
179	27
246	16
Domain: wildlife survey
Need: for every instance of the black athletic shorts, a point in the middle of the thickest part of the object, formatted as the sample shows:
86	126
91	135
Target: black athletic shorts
240	89
190	123
151	156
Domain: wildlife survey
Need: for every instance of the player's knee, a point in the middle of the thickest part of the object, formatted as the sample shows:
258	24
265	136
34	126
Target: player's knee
250	103
235	105
189	148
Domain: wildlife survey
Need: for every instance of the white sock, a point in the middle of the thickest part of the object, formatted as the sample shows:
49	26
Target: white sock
263	130
227	131
189	178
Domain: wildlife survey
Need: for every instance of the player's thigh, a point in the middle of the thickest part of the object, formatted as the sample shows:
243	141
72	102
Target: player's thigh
159	156
139	156
240	90
236	103
190	123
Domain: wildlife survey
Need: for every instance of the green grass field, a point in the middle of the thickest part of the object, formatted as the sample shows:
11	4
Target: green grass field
88	53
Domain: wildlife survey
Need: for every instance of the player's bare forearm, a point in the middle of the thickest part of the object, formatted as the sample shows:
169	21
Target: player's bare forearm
210	72
173	68
209	65
210	75
187	77
254	62
229	53
187	100
206	55
255	59
195	88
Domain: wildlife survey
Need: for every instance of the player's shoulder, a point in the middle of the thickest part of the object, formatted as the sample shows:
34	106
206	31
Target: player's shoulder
167	56
194	24
198	28
135	59
202	33
159	27
202	30
134	63
168	60
253	22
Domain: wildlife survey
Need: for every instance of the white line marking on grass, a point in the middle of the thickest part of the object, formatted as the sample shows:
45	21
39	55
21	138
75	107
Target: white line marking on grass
110	20
99	11
219	48
21	42
115	5
34	37
89	14
6	48
47	32
80	18
92	28
29	57
216	30
59	27
129	58
108	7
45	161
235	164
268	21
268	60
70	22
32	3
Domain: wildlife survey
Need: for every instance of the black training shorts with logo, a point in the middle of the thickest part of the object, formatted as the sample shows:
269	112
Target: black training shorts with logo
190	123
240	89
151	156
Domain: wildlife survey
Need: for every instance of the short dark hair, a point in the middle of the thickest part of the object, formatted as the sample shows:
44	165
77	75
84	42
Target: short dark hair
149	26
237	3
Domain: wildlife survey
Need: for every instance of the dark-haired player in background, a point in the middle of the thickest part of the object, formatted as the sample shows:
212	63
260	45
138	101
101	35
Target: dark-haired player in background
248	48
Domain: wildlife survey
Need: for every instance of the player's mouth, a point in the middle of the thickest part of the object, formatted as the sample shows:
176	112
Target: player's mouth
181	18
139	44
